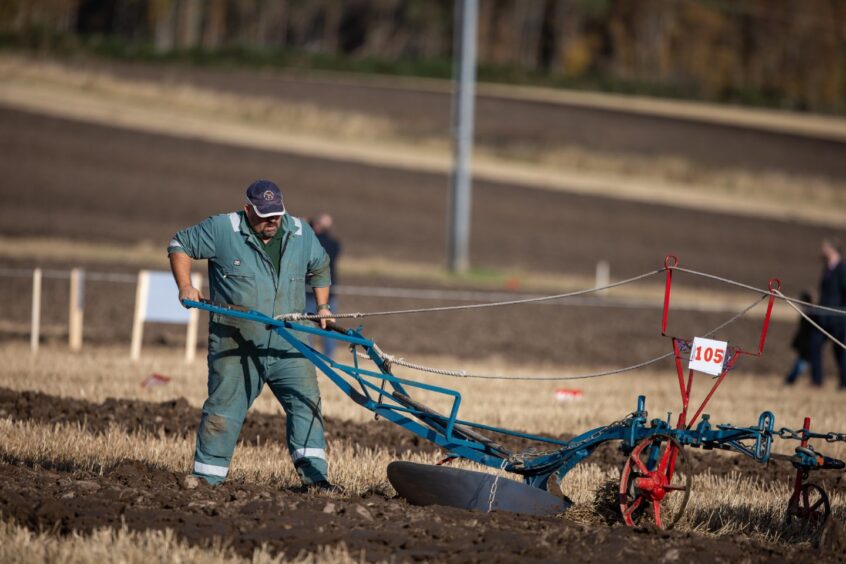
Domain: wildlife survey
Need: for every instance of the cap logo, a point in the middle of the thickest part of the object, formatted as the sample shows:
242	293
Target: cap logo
268	195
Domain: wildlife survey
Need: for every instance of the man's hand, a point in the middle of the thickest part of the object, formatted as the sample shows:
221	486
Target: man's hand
190	293
180	265
325	318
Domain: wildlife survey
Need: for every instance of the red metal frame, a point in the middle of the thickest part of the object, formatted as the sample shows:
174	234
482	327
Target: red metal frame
733	353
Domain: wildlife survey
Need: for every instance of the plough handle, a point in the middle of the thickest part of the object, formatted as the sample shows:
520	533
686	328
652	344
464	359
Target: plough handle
233	307
331	326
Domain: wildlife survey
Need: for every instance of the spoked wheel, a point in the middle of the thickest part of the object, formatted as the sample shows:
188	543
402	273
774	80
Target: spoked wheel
655	481
811	507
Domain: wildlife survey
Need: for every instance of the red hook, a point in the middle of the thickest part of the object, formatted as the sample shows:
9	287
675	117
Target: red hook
671	259
774	285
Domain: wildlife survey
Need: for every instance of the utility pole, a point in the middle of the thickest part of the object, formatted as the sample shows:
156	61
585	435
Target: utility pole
464	79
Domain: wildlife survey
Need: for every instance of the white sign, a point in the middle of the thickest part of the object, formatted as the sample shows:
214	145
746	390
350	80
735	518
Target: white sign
162	300
708	355
157	300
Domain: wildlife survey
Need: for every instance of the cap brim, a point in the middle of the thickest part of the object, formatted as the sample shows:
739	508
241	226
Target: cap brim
267	214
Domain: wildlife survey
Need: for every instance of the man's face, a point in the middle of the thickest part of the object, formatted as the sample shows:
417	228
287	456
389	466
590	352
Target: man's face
266	227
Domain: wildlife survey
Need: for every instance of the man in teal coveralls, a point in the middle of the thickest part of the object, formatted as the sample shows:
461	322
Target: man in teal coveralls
260	258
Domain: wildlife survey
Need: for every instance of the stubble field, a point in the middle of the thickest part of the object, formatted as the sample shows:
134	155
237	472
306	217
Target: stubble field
93	464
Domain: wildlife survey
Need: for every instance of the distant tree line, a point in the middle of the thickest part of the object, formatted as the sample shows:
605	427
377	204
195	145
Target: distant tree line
789	53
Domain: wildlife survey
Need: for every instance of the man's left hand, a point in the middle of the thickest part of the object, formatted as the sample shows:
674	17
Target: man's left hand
325	318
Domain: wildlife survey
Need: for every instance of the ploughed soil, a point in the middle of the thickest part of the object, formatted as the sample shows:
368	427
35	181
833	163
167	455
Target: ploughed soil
63	499
64	179
523	124
95	183
109	185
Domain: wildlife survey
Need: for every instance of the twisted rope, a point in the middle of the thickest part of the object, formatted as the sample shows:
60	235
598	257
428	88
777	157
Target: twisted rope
812	322
358	315
399	361
775	293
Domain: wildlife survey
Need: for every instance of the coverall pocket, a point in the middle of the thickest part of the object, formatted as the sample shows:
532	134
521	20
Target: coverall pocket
296	293
238	289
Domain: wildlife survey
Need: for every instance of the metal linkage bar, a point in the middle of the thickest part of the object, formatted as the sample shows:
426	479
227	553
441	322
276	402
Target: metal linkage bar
395	404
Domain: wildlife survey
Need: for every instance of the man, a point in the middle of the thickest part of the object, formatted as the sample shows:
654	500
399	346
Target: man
832	294
322	226
260	258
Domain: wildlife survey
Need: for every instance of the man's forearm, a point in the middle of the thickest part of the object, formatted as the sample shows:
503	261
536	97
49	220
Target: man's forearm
180	266
321	296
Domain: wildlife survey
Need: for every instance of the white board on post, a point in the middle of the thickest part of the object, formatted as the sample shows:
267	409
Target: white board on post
156	300
35	332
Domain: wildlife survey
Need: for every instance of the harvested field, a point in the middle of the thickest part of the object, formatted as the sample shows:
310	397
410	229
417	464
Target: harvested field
71	464
93	464
167	183
510	121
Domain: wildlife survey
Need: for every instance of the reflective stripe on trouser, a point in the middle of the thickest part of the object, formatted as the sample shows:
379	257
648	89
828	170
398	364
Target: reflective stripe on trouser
236	378
294	383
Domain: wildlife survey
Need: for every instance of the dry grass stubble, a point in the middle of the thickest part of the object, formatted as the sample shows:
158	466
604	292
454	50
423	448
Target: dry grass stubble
19	545
719	505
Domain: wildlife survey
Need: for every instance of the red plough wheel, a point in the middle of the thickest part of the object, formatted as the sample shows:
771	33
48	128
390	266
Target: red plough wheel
655	481
810	507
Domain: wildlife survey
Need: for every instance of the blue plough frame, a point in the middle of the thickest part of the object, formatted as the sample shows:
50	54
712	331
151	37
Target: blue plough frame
464	438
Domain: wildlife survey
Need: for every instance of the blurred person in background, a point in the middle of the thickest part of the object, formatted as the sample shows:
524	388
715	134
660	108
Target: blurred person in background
322	226
261	258
801	342
832	294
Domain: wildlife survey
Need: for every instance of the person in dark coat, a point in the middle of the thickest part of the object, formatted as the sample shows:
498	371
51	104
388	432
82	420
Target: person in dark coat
832	294
801	342
322	226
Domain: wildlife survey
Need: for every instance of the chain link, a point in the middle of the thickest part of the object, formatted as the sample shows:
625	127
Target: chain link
799	434
492	494
785	433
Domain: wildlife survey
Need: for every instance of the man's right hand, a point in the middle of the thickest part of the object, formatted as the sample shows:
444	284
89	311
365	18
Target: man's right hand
190	293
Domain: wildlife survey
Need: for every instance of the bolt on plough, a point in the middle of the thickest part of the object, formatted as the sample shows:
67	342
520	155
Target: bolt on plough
655	483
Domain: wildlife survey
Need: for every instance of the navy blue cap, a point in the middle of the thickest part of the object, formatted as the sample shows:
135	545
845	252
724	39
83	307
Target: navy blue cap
266	198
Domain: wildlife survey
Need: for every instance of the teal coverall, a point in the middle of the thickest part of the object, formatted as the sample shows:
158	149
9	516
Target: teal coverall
244	355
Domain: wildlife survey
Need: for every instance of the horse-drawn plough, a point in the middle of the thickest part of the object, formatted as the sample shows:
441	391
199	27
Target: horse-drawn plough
655	483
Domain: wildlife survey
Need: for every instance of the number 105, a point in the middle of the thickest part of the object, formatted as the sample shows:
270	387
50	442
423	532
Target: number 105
710	354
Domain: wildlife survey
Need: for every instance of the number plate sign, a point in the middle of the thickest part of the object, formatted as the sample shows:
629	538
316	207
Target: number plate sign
708	355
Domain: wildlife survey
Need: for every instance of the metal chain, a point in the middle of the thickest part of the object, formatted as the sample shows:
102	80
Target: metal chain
492	494
785	433
315	317
799	434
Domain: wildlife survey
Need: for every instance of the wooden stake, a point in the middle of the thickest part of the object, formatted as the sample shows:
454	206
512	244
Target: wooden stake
36	310
193	322
76	309
141	292
603	276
